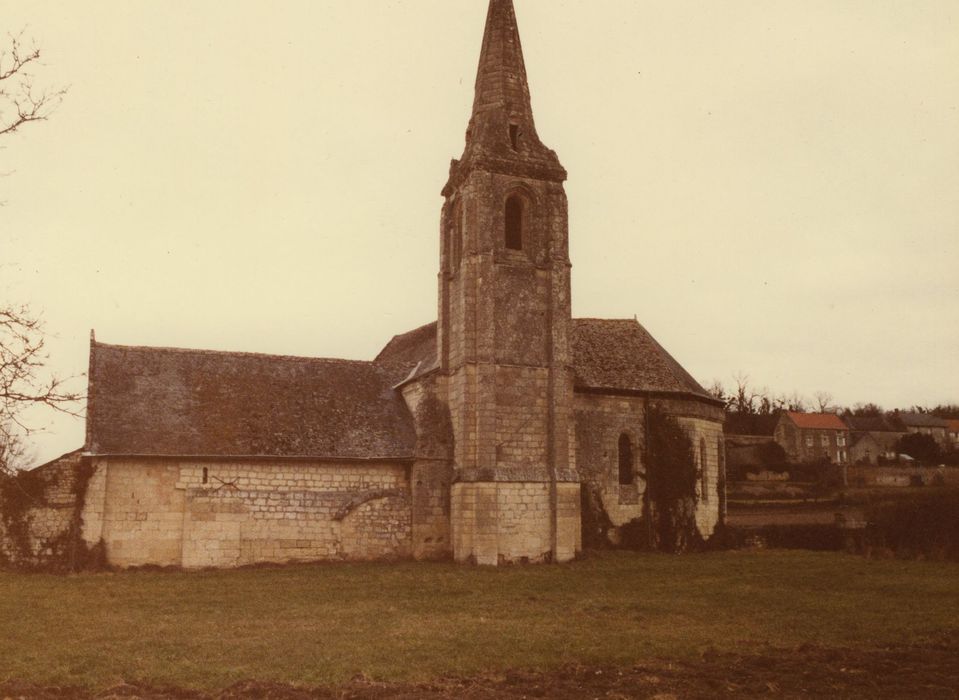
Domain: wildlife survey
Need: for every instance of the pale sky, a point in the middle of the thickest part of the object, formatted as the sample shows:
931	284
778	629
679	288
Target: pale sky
771	187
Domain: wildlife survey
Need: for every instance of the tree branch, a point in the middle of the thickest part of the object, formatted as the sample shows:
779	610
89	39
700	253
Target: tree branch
23	358
20	103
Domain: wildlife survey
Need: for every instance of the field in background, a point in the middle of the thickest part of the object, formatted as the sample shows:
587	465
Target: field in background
413	622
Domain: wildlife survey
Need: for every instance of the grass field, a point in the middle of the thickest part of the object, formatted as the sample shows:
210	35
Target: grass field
413	621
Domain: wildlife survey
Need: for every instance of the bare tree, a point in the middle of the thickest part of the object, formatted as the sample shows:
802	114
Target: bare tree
718	391
744	401
871	410
823	400
752	401
20	101
796	402
14	452
766	406
23	380
789	402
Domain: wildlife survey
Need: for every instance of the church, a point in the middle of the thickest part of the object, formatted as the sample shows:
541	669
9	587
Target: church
481	437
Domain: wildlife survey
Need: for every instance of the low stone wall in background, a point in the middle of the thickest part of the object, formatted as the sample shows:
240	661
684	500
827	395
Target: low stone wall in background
902	476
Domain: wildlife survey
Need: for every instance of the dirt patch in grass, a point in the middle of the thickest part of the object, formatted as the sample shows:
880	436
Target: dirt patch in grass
928	671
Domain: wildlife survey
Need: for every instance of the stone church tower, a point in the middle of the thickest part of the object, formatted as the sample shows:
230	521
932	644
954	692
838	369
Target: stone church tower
504	323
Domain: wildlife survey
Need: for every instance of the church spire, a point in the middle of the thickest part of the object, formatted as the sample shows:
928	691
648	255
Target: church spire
502	135
501	82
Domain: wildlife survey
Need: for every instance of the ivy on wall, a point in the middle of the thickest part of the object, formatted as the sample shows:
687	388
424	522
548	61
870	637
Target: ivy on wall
19	492
670	496
671	478
21	548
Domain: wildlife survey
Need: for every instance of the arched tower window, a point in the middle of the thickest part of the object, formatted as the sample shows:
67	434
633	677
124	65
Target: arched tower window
625	460
702	470
514	222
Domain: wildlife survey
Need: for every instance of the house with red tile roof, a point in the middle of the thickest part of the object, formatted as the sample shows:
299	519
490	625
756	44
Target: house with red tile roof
812	437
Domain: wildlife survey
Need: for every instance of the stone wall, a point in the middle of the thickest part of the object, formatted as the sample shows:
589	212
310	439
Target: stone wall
895	475
939	434
706	437
830	444
510	522
36	531
746	453
432	471
601	419
219	513
869	446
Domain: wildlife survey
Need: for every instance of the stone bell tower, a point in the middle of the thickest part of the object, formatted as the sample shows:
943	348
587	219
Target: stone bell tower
504	324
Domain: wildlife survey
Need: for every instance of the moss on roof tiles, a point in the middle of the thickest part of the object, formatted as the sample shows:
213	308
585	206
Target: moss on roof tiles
164	401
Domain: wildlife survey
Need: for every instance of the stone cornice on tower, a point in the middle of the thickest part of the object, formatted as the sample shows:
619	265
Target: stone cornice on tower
502	137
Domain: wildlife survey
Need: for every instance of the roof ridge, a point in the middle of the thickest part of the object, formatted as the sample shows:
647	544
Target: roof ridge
235	353
611	320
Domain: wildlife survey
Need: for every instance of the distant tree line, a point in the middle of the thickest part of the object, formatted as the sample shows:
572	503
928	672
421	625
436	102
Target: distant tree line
750	400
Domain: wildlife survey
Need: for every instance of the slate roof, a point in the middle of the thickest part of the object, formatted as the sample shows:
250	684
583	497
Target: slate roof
616	355
622	355
415	350
817	421
919	420
874	424
145	401
173	402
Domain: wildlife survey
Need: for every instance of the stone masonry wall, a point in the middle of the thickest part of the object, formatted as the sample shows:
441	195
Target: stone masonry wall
829	444
520	417
504	327
222	514
498	523
504	346
432	471
707	434
602	419
50	496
